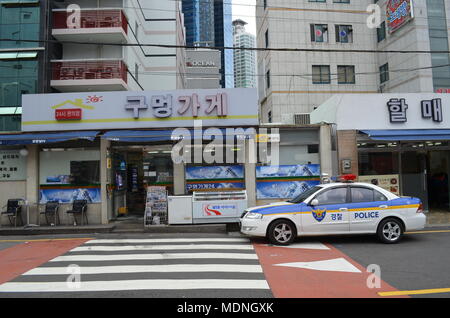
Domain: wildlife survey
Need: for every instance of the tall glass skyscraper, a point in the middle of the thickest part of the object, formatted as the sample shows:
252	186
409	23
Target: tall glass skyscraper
209	23
19	61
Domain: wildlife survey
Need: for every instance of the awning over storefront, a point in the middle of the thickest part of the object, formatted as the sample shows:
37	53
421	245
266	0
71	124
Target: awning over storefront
41	138
171	135
408	134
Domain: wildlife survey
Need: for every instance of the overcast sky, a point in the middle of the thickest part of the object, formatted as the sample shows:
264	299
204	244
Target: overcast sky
245	10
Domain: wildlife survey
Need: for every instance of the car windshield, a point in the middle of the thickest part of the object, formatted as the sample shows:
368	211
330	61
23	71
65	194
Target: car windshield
303	196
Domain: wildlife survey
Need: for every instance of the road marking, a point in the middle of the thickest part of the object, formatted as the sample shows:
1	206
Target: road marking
163	240
312	246
168	268
47	240
415	292
431	231
145	284
165	256
332	265
162	247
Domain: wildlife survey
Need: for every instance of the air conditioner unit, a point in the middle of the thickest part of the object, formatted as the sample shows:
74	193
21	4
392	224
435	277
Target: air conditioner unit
302	119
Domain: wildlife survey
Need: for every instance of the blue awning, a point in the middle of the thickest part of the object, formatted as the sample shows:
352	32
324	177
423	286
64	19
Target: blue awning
45	138
165	135
408	134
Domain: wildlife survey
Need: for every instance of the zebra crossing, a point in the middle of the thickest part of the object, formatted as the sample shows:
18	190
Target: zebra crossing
154	267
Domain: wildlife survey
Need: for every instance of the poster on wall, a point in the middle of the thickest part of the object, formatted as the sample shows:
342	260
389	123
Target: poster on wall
12	166
398	13
285	181
389	182
92	195
308	170
214	177
283	189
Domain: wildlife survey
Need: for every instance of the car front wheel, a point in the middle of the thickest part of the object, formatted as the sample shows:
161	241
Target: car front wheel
282	232
390	231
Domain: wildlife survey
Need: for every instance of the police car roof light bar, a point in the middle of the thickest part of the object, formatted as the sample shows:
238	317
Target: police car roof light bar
347	178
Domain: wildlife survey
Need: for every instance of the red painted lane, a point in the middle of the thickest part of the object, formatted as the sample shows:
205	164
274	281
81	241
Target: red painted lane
18	259
288	282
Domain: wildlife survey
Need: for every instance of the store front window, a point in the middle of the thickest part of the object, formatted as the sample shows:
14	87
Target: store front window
418	169
69	174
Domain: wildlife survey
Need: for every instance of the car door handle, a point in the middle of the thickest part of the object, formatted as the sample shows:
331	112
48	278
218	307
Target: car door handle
343	209
383	206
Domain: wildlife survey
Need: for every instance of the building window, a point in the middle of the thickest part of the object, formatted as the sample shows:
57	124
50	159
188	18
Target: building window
384	73
381	32
319	32
321	74
346	74
266	37
344	34
342	1
268	79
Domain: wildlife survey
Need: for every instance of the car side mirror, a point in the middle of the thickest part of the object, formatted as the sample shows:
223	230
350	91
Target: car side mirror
314	202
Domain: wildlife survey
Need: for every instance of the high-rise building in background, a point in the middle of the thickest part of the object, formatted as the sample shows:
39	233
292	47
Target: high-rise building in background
292	84
244	60
58	64
22	64
203	69
208	23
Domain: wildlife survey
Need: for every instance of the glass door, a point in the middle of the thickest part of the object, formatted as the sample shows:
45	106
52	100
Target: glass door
414	175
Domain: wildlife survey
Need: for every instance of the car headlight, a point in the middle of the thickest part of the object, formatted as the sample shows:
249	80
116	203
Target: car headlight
253	215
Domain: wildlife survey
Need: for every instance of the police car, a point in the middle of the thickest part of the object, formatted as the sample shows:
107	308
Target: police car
336	208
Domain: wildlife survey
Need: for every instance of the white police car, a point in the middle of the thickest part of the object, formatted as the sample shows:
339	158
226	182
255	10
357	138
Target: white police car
336	208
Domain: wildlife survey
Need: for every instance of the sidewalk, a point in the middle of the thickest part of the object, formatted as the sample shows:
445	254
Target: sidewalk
135	225
117	227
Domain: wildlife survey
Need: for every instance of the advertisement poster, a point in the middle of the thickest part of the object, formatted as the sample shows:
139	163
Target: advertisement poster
214	177
92	195
286	181
288	171
389	182
219	209
398	13
12	166
282	189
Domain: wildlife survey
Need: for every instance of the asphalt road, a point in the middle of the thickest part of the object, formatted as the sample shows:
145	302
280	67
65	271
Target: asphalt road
419	262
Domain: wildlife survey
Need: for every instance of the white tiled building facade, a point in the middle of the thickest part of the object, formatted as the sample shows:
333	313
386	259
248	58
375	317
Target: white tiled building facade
295	83
244	60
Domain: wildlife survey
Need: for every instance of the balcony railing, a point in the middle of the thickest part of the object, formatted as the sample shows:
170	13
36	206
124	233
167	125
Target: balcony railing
92	19
89	70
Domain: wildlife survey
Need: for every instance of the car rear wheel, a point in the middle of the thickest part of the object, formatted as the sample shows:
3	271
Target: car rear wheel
282	232
390	231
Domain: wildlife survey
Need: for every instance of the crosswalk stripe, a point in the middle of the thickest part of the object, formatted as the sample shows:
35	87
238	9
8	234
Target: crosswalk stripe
146	284
167	240
155	264
171	268
162	247
159	256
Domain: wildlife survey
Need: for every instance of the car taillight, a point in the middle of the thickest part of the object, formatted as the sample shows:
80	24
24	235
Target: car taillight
420	208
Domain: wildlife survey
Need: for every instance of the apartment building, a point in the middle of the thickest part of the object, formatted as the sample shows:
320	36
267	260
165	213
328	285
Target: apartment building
244	60
82	46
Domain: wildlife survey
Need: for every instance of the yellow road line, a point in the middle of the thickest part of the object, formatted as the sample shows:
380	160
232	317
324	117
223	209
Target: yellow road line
424	232
415	292
46	240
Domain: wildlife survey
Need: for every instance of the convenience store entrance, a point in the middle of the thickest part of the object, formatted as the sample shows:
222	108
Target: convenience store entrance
421	167
134	168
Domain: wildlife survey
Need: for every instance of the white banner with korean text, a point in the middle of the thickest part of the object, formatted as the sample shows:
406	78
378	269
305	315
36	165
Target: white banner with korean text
147	109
